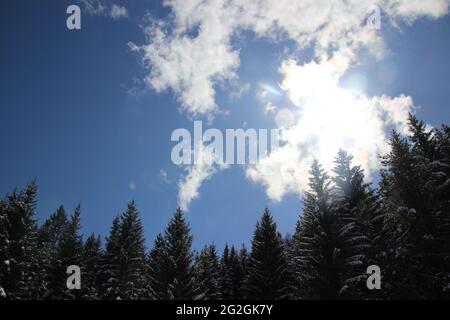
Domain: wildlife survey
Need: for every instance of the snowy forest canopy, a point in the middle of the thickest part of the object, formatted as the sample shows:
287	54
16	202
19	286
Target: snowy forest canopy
403	226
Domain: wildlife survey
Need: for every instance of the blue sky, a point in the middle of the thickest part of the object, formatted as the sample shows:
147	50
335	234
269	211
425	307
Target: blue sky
76	113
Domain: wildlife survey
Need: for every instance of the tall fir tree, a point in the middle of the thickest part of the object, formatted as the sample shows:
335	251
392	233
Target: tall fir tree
237	271
207	273
123	270
269	277
177	277
244	259
133	267
110	264
441	191
4	248
69	252
92	258
53	228
416	214
226	286
359	224
233	273
156	274
49	236
18	244
320	263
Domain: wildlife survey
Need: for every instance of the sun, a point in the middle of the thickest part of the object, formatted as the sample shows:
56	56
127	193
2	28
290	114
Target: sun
328	117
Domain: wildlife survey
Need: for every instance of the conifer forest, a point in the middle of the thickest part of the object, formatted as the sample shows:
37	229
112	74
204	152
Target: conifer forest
401	225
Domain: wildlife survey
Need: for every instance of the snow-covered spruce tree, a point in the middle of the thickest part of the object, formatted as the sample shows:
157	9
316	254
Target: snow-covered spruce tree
441	186
268	277
123	267
226	286
48	238
395	186
237	274
290	248
69	252
132	282
18	244
110	263
157	276
4	248
176	277
244	259
319	257
416	200
92	257
360	225
296	262
233	273
433	147
207	273
53	228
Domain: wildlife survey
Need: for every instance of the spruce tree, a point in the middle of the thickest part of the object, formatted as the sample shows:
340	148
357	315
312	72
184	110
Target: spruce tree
132	264
359	224
92	257
110	263
320	262
416	213
269	277
53	228
18	243
4	248
207	273
441	192
49	236
233	273
237	273
178	280
157	277
123	270
244	259
225	275
69	252
298	263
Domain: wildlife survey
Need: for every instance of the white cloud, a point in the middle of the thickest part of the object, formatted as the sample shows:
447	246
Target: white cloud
94	7
327	118
269	108
118	12
191	53
105	8
203	168
190	66
410	9
163	176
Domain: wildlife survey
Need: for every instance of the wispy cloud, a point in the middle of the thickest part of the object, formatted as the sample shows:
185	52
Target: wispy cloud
105	8
163	176
192	53
203	168
118	12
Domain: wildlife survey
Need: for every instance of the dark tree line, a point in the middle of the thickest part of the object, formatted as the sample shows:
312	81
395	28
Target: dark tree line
346	225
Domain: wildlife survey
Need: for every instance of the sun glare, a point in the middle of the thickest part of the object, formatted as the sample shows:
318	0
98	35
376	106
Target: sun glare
330	117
